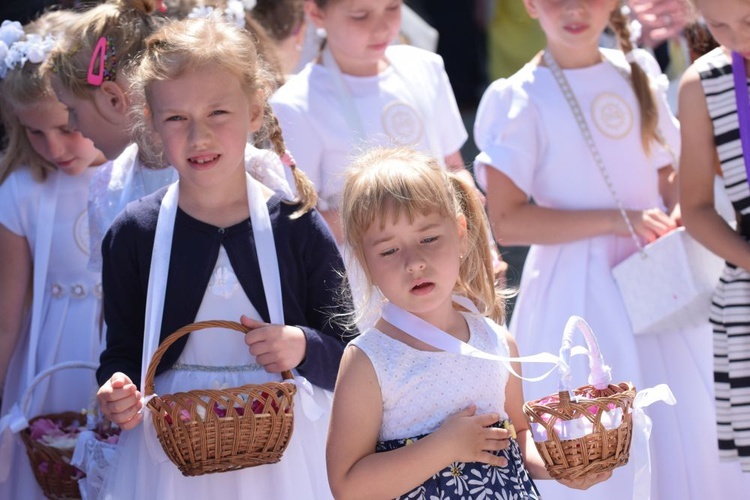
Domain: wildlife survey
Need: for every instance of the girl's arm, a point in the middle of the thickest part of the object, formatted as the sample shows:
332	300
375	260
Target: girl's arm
516	221
698	160
356	471
514	407
15	284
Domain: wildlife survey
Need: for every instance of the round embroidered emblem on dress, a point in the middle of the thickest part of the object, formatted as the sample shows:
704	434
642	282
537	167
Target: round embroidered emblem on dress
402	123
612	115
81	232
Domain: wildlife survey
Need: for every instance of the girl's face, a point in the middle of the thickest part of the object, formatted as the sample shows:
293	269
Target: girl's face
84	115
203	119
415	264
572	27
46	126
729	23
358	31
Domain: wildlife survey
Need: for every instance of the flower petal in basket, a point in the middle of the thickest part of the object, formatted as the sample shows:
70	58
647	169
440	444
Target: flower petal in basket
204	431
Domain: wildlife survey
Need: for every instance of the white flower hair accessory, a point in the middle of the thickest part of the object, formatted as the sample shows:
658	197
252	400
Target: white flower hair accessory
234	12
34	49
10	33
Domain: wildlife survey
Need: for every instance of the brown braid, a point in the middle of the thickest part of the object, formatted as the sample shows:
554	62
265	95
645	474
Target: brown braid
307	197
641	85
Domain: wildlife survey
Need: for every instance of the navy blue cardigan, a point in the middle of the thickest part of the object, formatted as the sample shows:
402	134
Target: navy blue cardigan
310	270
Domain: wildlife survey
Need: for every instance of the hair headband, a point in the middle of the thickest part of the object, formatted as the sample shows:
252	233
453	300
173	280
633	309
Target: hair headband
104	52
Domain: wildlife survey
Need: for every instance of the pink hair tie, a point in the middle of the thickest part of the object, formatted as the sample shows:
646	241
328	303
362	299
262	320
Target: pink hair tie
287	159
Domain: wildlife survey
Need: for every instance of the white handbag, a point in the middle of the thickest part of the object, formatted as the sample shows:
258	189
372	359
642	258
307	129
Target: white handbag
668	284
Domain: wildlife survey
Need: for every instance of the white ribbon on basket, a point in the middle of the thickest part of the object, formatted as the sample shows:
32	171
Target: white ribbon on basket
600	375
265	249
641	435
16	419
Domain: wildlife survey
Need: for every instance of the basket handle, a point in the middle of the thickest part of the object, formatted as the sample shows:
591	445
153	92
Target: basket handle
601	374
192	327
26	401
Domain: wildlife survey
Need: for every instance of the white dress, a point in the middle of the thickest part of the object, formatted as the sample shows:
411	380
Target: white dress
313	115
70	311
525	129
144	471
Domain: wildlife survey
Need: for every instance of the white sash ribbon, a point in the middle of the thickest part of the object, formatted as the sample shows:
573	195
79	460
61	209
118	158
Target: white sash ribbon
265	249
435	337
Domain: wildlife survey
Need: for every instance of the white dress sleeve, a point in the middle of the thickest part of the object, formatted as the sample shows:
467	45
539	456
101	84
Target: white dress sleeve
12	202
507	134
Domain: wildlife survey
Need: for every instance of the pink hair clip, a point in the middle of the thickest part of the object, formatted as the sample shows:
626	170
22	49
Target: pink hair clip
100	51
287	159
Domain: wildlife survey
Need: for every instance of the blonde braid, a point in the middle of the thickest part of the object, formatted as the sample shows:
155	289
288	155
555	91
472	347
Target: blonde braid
307	196
641	85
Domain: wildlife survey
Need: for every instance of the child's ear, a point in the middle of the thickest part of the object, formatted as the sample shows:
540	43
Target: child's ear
462	233
314	13
112	102
257	108
531	8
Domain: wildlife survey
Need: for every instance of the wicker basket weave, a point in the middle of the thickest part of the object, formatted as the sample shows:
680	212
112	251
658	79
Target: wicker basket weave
51	466
219	430
600	450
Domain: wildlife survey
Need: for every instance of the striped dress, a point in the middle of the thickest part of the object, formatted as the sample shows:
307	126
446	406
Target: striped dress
730	308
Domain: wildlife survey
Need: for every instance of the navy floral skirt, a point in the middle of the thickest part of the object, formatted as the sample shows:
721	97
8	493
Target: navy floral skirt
473	480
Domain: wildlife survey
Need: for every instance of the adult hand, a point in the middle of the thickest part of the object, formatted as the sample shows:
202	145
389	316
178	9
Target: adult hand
661	19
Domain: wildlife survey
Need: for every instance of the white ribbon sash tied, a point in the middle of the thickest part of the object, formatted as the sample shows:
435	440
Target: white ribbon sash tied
435	337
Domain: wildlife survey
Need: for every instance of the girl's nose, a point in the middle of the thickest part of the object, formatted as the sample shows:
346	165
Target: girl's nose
414	262
55	147
199	134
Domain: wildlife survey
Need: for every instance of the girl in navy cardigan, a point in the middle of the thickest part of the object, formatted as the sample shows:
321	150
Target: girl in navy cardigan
198	251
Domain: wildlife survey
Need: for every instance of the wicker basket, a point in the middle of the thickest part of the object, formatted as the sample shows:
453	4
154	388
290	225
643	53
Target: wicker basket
51	466
601	449
206	431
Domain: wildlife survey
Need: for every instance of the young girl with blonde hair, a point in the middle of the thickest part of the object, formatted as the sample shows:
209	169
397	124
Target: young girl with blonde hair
587	133
201	87
51	304
429	423
90	71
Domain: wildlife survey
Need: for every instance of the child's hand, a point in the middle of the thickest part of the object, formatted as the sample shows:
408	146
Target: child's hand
648	224
120	401
584	483
470	438
276	347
